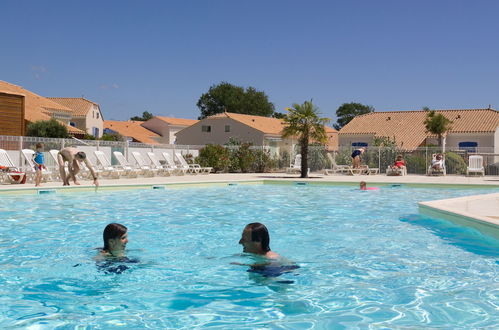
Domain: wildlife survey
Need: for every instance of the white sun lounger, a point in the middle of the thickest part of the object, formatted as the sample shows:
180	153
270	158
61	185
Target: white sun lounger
10	172
28	154
296	166
475	165
147	169
171	163
104	165
193	168
162	169
128	170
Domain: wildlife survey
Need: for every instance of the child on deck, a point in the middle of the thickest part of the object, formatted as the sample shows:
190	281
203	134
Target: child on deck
39	163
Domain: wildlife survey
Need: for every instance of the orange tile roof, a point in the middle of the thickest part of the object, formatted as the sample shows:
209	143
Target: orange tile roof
79	105
266	125
408	126
177	121
132	129
37	107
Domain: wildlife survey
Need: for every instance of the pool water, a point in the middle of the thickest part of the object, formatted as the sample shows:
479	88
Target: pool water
366	259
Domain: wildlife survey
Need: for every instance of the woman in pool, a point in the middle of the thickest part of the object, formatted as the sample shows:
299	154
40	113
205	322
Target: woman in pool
115	238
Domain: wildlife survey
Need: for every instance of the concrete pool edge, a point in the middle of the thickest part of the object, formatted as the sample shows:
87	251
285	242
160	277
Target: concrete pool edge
477	211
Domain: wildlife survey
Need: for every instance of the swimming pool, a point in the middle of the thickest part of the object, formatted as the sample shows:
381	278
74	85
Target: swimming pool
366	258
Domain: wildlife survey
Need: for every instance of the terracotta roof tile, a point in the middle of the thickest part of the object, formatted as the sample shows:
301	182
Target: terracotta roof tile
37	107
79	105
178	121
132	129
266	125
408	126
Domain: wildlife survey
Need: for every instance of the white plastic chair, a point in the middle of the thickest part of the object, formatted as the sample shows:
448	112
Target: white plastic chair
193	168
128	170
162	169
10	172
104	165
296	166
475	165
171	163
147	169
433	171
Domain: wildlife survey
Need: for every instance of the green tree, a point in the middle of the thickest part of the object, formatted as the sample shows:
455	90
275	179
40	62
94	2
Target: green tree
231	98
303	121
347	111
47	128
438	124
145	116
112	137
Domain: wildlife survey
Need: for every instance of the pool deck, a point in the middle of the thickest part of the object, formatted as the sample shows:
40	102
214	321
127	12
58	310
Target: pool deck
479	210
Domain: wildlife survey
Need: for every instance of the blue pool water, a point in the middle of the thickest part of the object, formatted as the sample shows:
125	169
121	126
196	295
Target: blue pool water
366	259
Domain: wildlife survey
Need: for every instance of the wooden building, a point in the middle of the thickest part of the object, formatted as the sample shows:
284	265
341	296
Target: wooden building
12	114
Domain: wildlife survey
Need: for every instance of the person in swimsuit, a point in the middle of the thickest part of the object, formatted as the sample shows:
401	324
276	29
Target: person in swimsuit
74	157
356	157
115	238
39	163
363	186
437	163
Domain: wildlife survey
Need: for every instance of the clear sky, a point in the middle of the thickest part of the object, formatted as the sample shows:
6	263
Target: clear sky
160	56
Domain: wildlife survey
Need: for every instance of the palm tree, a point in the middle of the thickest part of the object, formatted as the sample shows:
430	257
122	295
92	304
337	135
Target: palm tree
303	121
437	124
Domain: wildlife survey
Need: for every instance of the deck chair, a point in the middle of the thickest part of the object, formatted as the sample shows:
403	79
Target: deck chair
394	171
475	165
105	167
335	168
28	154
9	172
193	168
162	169
433	171
147	169
128	170
296	166
171	163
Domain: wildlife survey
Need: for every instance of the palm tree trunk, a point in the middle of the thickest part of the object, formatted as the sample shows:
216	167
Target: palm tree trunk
304	159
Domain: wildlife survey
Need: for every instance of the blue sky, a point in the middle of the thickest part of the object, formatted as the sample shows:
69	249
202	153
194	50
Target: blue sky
160	56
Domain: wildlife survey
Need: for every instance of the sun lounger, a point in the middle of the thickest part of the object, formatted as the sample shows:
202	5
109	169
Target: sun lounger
192	168
147	169
162	169
171	163
475	165
335	168
441	170
128	170
296	166
394	171
30	170
9	172
105	167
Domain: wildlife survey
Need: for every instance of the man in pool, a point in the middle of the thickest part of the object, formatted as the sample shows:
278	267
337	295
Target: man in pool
255	239
74	157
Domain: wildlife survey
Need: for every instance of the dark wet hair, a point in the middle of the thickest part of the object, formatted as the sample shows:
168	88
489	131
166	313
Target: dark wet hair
111	231
81	155
259	233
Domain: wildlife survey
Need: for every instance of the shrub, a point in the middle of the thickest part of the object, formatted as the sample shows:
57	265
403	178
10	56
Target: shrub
214	156
454	163
47	128
245	157
415	164
262	161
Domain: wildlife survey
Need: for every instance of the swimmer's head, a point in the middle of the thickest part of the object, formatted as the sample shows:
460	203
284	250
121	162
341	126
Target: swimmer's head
115	238
362	185
255	238
80	155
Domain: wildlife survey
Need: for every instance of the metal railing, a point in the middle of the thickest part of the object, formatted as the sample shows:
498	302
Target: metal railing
265	158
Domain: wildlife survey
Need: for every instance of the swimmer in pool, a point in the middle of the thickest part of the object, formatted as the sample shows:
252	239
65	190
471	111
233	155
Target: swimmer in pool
255	239
115	238
363	186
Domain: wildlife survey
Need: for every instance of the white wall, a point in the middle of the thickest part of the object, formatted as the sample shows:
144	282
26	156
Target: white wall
484	140
346	140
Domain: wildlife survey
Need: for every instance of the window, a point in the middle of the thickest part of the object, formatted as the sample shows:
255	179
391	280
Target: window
227	128
359	144
72	124
97	114
93	114
95	131
469	146
205	128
